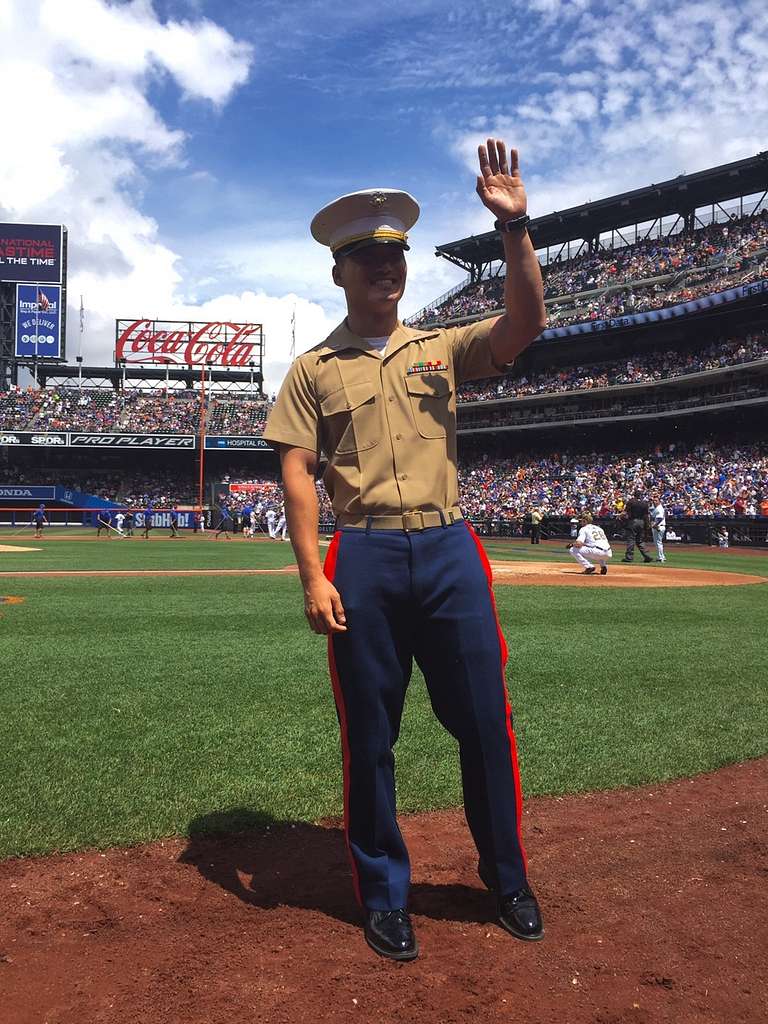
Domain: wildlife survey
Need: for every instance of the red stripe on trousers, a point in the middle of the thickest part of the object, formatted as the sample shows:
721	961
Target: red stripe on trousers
329	570
504	655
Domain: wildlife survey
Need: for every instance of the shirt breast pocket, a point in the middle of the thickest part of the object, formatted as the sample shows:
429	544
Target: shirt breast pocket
430	395
351	417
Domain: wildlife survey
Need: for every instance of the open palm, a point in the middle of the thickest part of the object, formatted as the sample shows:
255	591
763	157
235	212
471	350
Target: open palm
499	184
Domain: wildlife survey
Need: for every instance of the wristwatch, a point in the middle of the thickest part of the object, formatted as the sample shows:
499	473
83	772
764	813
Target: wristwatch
513	226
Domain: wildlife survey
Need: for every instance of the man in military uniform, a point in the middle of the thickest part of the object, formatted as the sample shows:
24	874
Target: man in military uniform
405	576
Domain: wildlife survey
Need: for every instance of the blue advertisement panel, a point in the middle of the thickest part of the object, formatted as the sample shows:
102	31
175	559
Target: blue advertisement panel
38	321
235	442
20	492
31	252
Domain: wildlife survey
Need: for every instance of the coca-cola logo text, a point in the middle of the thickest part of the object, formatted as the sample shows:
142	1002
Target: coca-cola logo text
216	343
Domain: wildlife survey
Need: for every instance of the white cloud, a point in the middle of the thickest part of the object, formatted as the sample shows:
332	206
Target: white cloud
643	93
128	41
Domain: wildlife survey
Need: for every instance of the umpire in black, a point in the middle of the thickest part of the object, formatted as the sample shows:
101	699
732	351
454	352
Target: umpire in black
638	520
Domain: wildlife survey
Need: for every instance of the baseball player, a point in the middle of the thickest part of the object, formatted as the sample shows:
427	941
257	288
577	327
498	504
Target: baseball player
175	521
658	526
119	520
281	530
405	576
536	518
591	543
271	519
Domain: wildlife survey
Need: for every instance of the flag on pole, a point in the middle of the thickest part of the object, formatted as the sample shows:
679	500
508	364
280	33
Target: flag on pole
82	315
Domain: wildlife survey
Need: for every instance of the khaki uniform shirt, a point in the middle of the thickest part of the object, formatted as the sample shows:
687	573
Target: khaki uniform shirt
386	424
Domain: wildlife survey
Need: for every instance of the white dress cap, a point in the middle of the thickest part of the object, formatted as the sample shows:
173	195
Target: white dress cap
375	215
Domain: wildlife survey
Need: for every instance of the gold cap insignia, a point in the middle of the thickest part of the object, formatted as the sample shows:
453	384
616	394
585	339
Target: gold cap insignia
377	200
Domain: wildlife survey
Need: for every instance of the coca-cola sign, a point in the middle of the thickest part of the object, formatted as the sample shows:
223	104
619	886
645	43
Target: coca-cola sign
182	343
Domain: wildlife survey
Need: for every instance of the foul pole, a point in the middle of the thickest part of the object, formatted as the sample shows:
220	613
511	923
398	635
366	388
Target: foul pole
201	440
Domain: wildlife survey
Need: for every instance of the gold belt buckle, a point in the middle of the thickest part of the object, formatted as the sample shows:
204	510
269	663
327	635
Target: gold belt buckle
416	513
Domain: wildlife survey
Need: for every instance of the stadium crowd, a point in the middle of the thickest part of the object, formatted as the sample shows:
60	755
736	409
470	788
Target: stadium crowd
155	412
705	480
238	416
718	481
143	412
641	369
730	253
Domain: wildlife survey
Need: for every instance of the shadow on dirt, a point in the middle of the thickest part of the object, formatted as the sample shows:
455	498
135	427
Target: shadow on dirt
270	863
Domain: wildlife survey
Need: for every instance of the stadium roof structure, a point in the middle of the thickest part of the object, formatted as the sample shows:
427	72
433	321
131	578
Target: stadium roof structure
118	377
680	196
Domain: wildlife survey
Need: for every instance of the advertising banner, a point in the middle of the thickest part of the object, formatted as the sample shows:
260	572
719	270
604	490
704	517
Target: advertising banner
32	439
655	315
235	442
31	252
21	493
153	441
38	321
183	343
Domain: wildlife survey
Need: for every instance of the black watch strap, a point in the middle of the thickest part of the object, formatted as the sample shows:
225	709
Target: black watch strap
514	225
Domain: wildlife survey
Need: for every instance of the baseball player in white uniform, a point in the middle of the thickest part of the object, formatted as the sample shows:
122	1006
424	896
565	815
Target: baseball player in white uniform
282	525
271	517
591	543
119	520
658	526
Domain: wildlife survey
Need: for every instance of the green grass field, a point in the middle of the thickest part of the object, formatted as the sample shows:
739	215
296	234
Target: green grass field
129	707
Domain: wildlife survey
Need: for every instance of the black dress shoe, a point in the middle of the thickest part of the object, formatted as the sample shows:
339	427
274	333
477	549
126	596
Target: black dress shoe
519	913
389	933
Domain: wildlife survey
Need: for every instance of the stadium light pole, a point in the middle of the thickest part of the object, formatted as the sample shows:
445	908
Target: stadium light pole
201	439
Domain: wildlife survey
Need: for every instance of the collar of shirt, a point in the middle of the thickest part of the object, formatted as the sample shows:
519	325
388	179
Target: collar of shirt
343	338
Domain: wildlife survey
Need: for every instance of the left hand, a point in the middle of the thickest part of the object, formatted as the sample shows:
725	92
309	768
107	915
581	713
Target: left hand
499	184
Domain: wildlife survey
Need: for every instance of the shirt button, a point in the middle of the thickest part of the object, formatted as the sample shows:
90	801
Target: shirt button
398	437
403	476
391	398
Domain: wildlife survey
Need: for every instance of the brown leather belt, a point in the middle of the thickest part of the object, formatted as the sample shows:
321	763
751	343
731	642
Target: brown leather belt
408	521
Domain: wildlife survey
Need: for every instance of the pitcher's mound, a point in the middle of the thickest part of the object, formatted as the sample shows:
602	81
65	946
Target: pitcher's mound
568	574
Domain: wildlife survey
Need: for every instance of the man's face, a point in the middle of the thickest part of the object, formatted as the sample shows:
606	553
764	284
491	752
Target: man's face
373	278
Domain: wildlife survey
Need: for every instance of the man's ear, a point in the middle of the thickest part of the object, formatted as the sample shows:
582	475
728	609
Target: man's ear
336	274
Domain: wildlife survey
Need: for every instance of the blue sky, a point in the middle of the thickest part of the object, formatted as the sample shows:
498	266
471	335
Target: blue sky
188	143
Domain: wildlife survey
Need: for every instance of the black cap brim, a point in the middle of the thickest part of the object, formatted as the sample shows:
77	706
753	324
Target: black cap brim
366	243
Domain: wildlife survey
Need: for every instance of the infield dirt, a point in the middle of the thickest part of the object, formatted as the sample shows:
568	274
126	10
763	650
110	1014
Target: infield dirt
655	903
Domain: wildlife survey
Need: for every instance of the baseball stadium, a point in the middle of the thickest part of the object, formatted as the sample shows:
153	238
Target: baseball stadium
173	797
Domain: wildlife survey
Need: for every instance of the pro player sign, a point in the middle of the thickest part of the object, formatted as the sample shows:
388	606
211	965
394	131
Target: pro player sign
38	321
